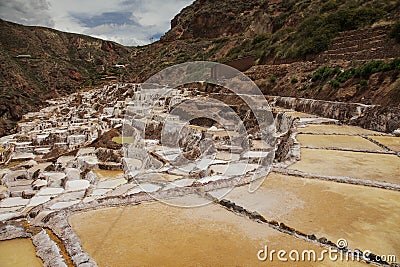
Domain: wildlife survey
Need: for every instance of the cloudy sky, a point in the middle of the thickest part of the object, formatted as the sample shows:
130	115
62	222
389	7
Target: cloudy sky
129	22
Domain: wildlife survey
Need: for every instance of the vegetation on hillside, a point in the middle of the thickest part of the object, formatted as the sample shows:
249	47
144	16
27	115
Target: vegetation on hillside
364	71
314	33
395	32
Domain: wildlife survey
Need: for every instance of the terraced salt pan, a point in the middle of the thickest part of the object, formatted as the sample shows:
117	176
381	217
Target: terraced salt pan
50	191
77	185
100	192
203	163
255	154
222	155
40	166
144	188
133	164
123	140
64	160
170	177
336	129
366	217
367	166
37	200
179	183
337	141
111	183
63	205
235	168
260	145
108	174
13	202
7	215
299	114
212	178
18	253
73	195
119	191
391	142
158	234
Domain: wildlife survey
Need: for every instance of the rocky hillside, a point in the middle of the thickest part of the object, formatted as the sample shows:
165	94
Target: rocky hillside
40	63
274	32
351	44
278	29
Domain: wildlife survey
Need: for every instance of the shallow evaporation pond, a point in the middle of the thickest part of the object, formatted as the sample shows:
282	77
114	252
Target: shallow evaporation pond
123	139
393	142
299	114
366	217
336	129
337	141
18	252
108	174
157	234
367	166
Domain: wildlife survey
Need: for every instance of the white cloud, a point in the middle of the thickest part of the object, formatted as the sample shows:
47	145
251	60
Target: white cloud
130	22
20	11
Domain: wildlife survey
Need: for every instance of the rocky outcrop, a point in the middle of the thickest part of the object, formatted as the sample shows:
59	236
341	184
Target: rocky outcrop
377	118
329	109
383	119
105	140
285	141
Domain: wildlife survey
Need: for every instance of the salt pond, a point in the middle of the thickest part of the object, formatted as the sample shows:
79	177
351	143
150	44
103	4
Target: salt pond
18	252
366	217
369	166
157	234
337	141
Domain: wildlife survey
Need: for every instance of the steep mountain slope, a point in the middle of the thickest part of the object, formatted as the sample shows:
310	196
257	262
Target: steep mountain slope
276	28
272	31
291	42
39	63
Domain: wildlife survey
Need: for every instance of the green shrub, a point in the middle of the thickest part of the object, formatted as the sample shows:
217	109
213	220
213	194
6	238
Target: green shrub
304	87
272	79
363	82
221	40
324	72
279	21
287	4
294	80
332	4
334	83
261	38
365	71
345	75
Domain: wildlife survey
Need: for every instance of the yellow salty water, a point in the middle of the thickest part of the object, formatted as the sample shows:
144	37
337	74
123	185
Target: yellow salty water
18	252
160	235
